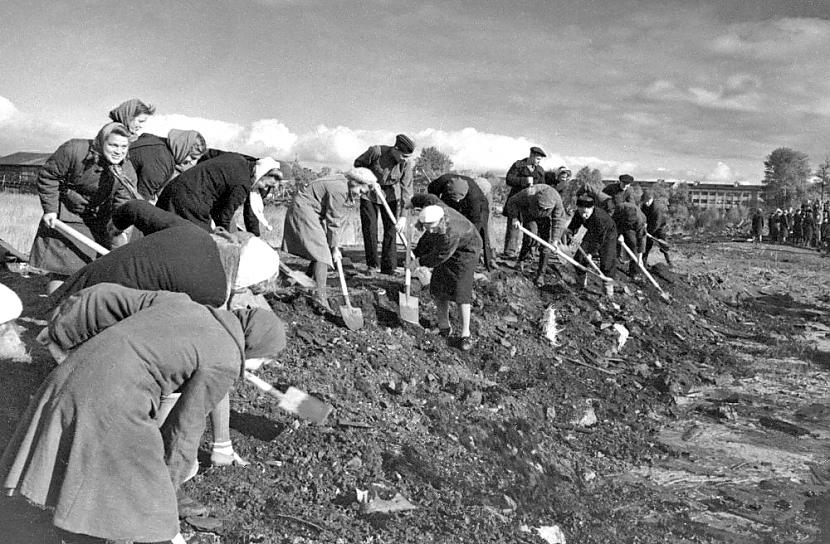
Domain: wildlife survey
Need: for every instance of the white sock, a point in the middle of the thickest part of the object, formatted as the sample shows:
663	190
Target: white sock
225	448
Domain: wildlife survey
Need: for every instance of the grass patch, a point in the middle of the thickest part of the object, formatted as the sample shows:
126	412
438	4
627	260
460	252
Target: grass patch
20	214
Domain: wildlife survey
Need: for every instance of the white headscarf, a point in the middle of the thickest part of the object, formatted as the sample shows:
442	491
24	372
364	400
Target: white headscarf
263	166
257	262
10	305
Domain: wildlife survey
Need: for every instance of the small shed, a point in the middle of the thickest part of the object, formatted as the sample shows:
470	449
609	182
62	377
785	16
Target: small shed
18	171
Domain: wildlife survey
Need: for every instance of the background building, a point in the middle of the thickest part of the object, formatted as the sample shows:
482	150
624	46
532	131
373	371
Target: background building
18	171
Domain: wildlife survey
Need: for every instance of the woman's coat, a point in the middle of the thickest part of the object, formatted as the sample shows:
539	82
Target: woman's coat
315	217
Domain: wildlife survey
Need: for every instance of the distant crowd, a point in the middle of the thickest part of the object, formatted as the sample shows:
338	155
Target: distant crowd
807	226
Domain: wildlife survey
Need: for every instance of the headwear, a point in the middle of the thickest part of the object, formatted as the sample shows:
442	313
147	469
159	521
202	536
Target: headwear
457	188
264	332
537	151
264	165
181	142
585	201
627	179
431	215
404	144
545	197
101	137
647	196
362	175
125	112
10	305
257	262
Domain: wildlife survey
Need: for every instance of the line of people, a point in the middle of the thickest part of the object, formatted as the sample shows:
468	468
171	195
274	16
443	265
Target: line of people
807	226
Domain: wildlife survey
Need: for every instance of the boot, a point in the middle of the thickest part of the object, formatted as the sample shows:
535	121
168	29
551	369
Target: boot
321	272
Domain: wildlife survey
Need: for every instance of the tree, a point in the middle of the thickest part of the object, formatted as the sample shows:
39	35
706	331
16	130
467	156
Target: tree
585	178
431	164
785	176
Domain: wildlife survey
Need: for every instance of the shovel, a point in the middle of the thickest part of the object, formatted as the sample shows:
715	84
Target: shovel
298	277
352	317
294	400
665	296
564	255
65	229
407	304
391	215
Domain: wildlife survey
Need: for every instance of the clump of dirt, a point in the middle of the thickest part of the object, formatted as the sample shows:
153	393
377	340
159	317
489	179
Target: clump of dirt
486	445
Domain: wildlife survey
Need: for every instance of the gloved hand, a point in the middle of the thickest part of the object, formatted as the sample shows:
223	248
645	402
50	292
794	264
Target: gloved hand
400	225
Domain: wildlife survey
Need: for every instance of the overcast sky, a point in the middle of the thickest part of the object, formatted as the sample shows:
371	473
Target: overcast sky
672	89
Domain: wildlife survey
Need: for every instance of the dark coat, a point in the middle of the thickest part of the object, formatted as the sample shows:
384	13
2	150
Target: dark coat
174	255
600	238
524	205
88	445
453	255
154	164
474	206
631	224
757	224
78	184
618	196
656	218
519	170
213	189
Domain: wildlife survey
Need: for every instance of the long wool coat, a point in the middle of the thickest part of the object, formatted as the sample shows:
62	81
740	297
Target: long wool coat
77	184
213	189
174	255
453	256
315	217
154	164
600	238
88	445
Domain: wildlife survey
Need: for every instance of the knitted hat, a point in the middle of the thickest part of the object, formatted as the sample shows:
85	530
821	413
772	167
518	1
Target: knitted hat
362	175
457	188
257	262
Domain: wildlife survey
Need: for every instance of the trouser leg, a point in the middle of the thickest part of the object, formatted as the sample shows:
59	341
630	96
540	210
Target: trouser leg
369	228
321	272
389	253
512	239
649	245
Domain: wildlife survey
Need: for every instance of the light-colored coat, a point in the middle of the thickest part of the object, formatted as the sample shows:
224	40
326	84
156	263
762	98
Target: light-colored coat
315	217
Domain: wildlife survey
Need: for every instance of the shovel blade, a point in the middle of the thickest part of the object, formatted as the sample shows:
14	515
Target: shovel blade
352	317
408	308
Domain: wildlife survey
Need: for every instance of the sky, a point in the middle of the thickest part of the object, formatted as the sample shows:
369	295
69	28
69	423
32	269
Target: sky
696	90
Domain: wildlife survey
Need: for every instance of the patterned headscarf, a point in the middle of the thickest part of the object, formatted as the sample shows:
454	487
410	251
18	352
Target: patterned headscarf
127	180
125	112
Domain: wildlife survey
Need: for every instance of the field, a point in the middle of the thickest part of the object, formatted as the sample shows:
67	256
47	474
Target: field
19	217
709	424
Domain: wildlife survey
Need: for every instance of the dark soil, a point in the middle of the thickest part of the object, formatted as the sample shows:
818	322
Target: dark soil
487	445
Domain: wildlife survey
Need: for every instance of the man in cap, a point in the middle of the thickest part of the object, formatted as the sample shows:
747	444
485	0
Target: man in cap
655	226
619	192
631	228
451	246
599	242
522	174
393	171
541	210
464	195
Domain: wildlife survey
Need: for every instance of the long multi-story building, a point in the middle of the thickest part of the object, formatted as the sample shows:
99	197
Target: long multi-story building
722	196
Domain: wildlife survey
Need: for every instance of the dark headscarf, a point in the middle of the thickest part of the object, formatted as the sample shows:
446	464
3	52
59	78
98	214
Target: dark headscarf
181	142
264	332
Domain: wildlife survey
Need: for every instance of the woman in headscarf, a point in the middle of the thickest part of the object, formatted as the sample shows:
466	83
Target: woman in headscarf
88	445
132	114
81	184
158	160
313	221
451	246
175	255
214	189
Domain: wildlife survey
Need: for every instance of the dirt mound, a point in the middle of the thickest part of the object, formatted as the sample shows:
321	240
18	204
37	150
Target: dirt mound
485	446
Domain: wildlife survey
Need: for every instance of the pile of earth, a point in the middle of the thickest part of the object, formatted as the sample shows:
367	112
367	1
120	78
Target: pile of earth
431	444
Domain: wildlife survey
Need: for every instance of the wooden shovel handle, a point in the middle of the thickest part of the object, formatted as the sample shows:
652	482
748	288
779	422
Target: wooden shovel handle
339	264
640	264
72	233
391	215
563	255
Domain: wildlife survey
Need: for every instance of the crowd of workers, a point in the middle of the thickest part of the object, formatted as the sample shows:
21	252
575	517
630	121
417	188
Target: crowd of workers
157	304
806	226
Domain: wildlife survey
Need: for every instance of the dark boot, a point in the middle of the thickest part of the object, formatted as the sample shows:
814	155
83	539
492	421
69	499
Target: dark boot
321	272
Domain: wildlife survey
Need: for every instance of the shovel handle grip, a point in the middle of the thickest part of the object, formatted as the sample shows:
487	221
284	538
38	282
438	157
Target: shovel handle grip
72	233
391	215
563	254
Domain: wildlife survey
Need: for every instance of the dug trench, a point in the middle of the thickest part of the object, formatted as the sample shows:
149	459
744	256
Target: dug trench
708	424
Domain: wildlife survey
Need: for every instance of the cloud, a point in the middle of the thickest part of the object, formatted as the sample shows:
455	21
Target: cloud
218	134
20	131
777	39
740	92
722	173
7	110
270	137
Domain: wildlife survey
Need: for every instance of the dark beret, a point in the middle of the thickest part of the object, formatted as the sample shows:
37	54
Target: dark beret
546	197
625	178
585	201
537	151
404	144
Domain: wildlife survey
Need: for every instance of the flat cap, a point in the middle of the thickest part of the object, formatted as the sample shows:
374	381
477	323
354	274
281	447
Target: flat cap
627	179
404	144
537	151
585	201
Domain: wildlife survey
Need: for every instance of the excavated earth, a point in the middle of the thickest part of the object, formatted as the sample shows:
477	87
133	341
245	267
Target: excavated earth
710	423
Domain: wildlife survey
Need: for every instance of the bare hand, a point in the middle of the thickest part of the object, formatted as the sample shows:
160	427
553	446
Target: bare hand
515	223
49	219
400	225
336	255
